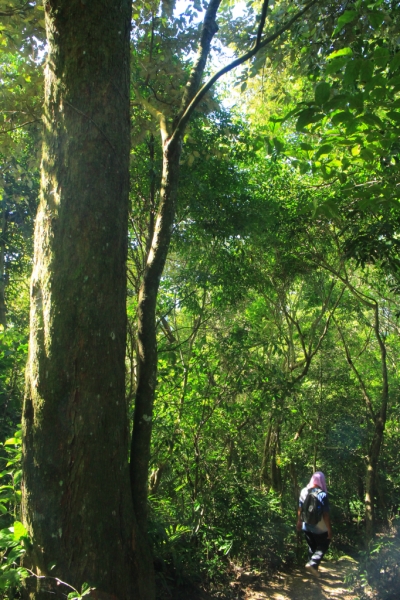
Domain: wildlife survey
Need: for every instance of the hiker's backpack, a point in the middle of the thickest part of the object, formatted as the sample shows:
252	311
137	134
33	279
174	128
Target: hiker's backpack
311	510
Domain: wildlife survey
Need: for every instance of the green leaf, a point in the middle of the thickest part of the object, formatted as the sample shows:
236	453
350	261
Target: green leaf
328	209
342	117
86	589
347	17
394	115
376	18
336	64
348	52
305	118
395	62
290	114
325	149
15	553
366	70
279	146
9	579
339	101
381	56
304	167
367	154
372	120
352	127
351	73
19	531
12	442
378	93
6	539
357	101
322	93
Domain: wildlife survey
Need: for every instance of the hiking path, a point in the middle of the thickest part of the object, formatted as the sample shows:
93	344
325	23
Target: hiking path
300	585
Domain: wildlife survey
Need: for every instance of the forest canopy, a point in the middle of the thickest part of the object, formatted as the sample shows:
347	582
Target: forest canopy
199	277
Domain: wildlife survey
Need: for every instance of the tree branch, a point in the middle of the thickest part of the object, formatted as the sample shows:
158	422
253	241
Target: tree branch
299	431
385	380
363	298
355	371
14	11
301	335
318	344
19	126
208	31
262	22
235	63
155	113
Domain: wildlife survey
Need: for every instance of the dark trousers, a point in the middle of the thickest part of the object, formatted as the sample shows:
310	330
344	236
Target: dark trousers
318	545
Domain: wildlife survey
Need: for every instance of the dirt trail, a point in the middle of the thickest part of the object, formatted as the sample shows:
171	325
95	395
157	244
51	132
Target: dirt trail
299	585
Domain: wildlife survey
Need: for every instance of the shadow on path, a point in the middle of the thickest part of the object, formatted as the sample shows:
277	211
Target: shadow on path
299	585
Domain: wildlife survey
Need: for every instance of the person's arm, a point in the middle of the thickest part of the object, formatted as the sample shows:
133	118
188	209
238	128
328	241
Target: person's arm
299	524
327	520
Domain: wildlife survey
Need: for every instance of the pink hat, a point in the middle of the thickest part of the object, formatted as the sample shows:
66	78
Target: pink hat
318	480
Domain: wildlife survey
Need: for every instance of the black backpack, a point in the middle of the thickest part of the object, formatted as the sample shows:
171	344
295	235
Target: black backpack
311	510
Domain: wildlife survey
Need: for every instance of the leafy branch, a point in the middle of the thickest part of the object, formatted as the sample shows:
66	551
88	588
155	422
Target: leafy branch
259	44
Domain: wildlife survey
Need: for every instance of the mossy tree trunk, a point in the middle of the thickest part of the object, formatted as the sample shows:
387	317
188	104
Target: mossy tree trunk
77	504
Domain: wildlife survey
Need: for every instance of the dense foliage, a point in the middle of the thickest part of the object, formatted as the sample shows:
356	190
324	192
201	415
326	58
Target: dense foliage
278	311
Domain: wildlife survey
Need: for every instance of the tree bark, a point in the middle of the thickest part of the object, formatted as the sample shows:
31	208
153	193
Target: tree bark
147	342
76	499
265	476
3	309
378	418
372	464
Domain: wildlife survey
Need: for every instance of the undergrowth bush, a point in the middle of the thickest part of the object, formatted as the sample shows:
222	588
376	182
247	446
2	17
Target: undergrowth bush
240	525
380	566
13	535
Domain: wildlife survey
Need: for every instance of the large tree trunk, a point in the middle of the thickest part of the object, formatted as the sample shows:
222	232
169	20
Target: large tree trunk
76	497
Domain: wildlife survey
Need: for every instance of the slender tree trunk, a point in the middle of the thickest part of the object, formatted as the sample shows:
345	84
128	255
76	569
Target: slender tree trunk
296	487
3	311
76	499
276	475
270	474
372	463
265	476
377	439
315	457
378	419
147	342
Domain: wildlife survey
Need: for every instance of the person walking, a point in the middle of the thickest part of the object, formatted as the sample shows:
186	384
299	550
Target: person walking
314	520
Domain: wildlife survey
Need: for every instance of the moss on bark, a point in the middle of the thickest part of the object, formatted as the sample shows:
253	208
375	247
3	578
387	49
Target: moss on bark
76	495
